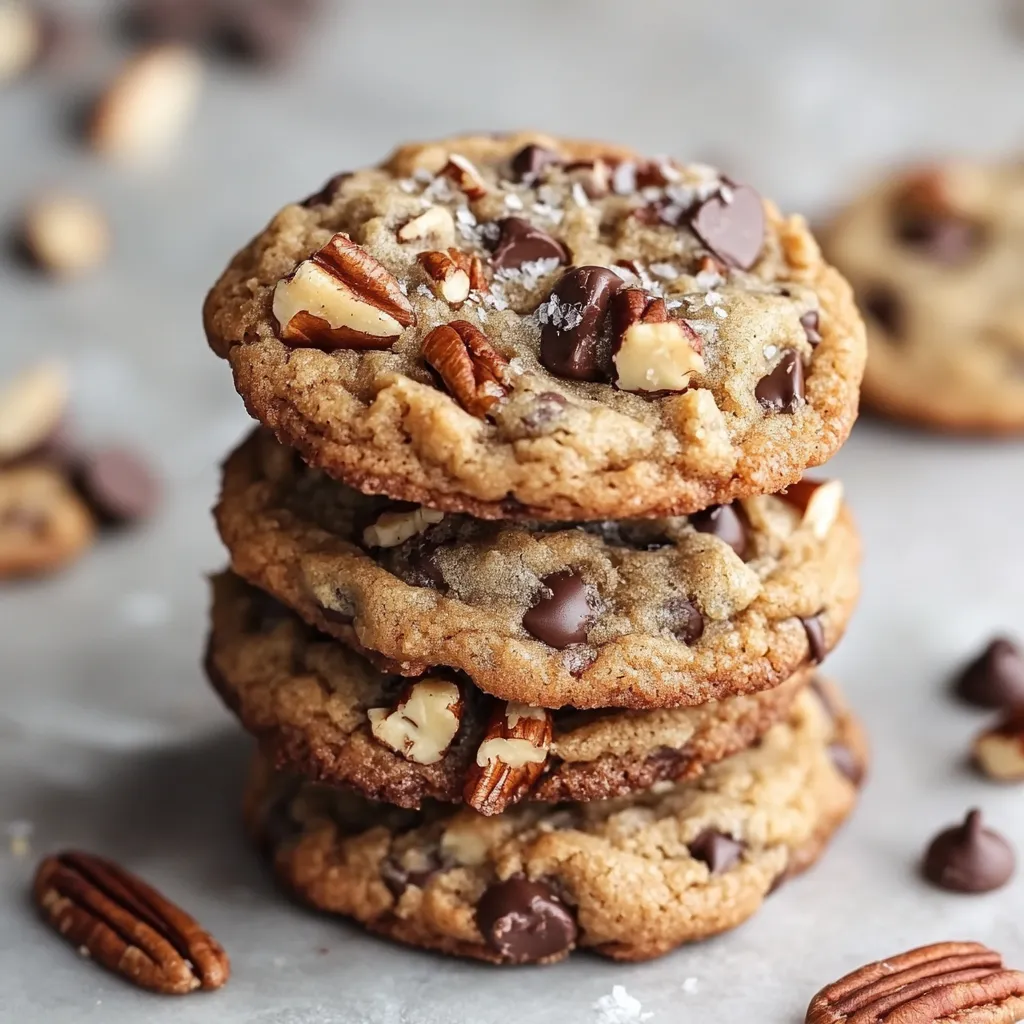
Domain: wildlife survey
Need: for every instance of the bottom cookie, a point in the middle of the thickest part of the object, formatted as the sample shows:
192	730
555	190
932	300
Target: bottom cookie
630	878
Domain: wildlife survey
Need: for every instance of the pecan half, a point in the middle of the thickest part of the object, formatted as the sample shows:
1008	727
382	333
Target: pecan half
465	176
963	982
472	370
125	925
473	266
423	722
341	297
450	282
510	759
999	751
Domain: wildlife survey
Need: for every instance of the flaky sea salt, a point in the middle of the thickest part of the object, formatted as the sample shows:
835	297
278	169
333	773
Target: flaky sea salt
665	270
690	986
512	201
619	1007
579	194
566	316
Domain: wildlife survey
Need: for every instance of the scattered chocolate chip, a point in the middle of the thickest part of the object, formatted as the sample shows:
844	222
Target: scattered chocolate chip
815	630
570	342
326	195
726	522
521	242
547	407
564	612
811	322
969	858
940	235
846	762
995	679
684	620
716	849
883	306
782	390
532	160
118	485
731	225
525	921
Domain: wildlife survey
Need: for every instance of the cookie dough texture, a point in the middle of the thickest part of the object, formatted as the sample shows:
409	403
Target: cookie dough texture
624	870
936	256
305	697
44	525
456	593
380	420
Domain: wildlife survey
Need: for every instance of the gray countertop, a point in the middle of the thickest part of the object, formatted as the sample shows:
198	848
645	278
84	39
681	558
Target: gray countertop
109	737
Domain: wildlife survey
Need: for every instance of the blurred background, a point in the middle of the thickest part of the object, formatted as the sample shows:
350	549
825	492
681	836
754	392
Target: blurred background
110	740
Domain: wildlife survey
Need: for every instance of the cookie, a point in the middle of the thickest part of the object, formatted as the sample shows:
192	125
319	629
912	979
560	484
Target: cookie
614	614
322	711
44	524
630	879
935	256
526	327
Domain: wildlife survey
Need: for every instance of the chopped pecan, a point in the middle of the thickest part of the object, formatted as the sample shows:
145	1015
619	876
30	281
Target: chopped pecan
999	750
126	926
510	759
465	176
436	222
819	501
449	279
473	266
950	981
341	297
423	722
470	367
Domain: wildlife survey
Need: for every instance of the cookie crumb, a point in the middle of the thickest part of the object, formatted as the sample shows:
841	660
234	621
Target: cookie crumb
619	1007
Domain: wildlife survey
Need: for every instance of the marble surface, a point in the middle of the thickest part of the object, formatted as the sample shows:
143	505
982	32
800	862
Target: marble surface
109	738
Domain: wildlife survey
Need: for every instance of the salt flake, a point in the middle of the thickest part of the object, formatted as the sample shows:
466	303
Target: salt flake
620	1008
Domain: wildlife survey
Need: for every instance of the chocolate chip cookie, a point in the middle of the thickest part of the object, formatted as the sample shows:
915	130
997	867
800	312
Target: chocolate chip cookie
322	711
935	256
526	327
44	524
630	879
637	614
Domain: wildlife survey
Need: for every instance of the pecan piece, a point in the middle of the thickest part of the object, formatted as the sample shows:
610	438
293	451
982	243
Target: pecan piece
423	722
341	297
510	759
472	370
450	281
473	266
435	222
126	926
819	501
999	751
465	176
949	981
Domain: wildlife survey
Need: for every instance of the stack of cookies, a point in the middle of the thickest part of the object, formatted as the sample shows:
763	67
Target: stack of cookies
520	610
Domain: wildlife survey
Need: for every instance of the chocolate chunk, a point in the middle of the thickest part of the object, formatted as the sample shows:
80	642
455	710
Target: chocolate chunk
326	195
815	630
782	390
398	878
941	235
969	858
685	621
726	522
995	679
525	921
811	322
548	407
118	485
846	762
521	242
882	305
532	160
564	613
570	343
731	225
719	851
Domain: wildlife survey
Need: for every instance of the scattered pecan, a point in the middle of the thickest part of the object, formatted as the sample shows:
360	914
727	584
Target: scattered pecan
470	367
963	982
126	926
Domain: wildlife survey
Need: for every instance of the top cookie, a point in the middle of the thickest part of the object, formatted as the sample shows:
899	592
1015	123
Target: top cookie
525	327
936	256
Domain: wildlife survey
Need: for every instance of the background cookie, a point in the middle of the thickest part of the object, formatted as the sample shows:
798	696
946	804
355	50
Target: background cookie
718	358
935	256
308	699
640	614
630	879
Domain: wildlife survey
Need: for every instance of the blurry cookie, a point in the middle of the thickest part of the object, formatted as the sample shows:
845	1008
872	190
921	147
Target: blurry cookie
526	327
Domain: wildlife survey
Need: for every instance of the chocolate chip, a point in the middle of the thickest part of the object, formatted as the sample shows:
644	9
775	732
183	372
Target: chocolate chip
570	343
326	195
397	877
684	620
846	762
782	390
532	160
995	679
731	225
521	242
716	849
940	235
525	921
547	407
815	630
564	613
969	858
726	522
118	485
811	322
882	305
